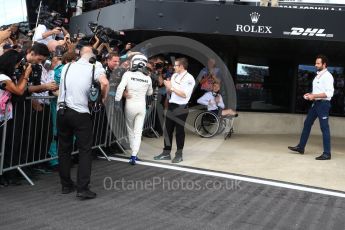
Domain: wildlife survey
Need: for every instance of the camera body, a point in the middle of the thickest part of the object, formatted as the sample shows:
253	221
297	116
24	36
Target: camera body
61	108
105	34
50	19
36	73
95	89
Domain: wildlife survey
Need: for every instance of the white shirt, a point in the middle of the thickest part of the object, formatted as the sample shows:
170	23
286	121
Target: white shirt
78	83
46	77
209	100
38	35
138	86
323	83
184	82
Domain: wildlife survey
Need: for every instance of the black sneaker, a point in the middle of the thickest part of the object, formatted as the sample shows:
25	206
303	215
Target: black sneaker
67	189
162	156
177	159
86	194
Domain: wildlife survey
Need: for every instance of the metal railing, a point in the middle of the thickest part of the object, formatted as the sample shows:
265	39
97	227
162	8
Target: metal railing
29	138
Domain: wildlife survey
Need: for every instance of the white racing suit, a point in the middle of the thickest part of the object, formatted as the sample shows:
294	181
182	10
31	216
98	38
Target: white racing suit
138	86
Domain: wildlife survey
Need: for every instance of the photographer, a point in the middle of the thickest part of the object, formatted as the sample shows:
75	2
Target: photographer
74	118
36	55
44	35
41	111
8	62
157	64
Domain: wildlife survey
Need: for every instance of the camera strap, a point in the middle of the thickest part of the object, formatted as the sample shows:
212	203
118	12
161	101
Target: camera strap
64	82
93	74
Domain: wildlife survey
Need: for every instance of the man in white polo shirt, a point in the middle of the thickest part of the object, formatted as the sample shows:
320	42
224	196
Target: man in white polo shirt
180	87
75	119
323	90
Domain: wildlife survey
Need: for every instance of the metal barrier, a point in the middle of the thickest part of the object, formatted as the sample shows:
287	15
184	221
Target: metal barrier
117	123
150	119
28	136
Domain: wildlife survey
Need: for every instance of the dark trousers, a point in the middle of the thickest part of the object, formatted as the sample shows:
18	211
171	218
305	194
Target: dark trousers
319	109
175	118
78	124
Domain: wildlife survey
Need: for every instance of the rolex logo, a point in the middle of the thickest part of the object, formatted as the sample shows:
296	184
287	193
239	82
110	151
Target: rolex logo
254	17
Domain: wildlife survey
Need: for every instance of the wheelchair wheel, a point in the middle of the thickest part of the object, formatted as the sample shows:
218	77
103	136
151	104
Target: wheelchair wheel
206	124
222	125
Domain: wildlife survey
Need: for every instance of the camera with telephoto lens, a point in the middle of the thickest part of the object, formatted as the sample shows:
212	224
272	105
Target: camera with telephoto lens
104	34
50	19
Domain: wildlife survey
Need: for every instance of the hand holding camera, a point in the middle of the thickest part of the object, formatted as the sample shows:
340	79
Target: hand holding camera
28	71
51	86
56	30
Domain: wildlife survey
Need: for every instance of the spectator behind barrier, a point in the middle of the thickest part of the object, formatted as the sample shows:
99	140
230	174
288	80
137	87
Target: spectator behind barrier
8	62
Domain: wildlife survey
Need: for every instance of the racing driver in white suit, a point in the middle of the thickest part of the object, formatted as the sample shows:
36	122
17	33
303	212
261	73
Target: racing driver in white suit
138	85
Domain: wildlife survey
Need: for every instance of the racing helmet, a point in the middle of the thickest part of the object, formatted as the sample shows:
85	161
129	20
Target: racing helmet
138	61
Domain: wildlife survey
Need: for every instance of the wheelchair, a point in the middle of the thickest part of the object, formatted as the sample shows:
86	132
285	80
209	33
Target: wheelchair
208	124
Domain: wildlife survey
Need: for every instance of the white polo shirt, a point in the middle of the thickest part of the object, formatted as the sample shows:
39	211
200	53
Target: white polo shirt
78	82
184	82
323	83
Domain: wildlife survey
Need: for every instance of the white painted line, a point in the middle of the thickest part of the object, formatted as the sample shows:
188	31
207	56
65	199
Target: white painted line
234	177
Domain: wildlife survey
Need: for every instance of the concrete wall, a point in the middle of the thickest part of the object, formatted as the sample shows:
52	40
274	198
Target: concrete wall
277	123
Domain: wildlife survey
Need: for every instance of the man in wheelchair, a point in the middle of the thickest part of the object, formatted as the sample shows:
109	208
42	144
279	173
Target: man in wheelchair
214	102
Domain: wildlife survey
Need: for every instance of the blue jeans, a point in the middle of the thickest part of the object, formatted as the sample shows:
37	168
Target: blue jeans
319	109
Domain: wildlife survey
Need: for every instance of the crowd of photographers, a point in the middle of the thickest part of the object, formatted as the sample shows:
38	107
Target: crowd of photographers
31	66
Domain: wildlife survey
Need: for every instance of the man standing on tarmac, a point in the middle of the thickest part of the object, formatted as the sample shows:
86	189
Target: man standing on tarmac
181	87
74	119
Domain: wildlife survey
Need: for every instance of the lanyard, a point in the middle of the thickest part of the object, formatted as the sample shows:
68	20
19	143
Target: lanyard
180	79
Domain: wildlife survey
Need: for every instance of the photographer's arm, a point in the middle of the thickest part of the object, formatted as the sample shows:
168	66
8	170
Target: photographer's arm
5	34
19	89
100	48
95	46
108	47
48	33
104	86
51	86
64	31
